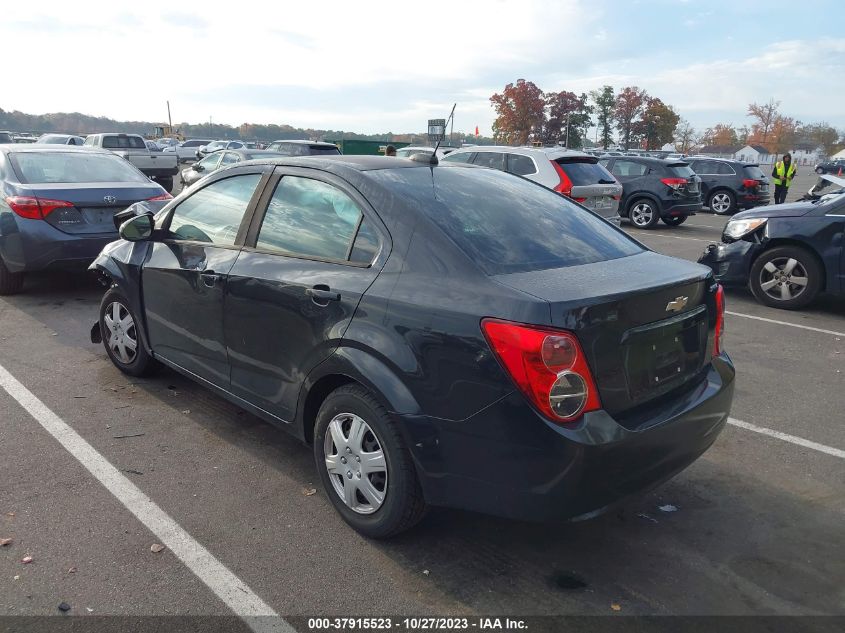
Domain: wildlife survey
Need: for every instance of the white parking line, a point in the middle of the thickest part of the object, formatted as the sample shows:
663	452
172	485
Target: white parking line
797	325
792	439
225	585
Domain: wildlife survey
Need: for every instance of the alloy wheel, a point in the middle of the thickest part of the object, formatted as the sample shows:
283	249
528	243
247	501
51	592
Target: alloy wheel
720	203
356	463
783	278
642	214
123	335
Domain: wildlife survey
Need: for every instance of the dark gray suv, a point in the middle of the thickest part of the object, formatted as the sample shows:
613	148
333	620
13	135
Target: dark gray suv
654	189
730	185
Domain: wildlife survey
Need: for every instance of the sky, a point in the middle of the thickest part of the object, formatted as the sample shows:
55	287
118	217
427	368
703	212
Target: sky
387	66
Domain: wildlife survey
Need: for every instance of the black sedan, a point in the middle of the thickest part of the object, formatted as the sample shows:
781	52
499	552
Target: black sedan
835	166
219	159
786	254
440	335
57	205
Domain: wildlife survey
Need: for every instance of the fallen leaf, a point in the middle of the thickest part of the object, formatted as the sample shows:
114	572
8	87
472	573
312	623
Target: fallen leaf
64	607
155	548
89	609
72	570
16	578
615	607
426	572
5	541
26	560
10	514
309	491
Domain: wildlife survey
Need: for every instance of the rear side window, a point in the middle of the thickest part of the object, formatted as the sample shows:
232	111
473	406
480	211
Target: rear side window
629	169
680	171
123	142
753	171
507	225
214	213
459	157
366	245
494	160
586	172
521	165
309	218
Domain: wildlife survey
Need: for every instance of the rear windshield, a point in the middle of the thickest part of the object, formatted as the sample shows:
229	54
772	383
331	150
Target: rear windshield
73	167
681	170
753	171
585	172
508	224
53	138
6	138
323	150
257	155
407	153
123	142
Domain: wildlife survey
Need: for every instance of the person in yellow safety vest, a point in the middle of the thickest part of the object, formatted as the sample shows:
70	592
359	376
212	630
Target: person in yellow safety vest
782	175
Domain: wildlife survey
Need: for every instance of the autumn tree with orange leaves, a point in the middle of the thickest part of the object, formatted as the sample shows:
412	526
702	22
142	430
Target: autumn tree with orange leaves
520	113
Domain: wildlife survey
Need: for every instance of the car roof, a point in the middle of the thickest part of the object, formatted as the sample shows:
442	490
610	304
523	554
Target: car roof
51	147
340	163
303	142
551	152
650	160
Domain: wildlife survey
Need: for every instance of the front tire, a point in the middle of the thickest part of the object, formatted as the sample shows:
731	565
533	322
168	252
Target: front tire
786	277
676	220
644	214
819	170
364	465
10	283
721	202
121	336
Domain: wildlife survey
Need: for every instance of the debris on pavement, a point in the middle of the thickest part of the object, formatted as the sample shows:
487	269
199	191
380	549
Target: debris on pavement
89	609
643	515
187	411
309	491
155	548
26	560
426	572
72	570
120	437
132	472
16	578
5	541
668	508
64	607
616	607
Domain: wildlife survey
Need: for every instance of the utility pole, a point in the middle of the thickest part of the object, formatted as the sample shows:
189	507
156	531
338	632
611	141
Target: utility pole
169	120
567	131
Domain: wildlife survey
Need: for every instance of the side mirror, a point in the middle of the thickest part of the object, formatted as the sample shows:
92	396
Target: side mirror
197	167
138	229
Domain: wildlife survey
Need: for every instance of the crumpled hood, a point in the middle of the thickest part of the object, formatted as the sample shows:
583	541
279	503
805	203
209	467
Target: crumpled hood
790	210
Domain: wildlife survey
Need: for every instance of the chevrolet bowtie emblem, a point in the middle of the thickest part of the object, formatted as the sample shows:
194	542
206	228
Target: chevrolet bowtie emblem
677	304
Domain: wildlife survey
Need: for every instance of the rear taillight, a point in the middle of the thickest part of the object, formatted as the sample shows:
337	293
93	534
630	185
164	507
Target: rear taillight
720	321
581	200
674	183
565	185
164	196
35	208
750	183
548	367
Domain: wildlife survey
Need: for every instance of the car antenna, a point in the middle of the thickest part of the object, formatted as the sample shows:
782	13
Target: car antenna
433	159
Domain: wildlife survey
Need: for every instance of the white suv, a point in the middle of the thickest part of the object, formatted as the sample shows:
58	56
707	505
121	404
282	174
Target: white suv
576	175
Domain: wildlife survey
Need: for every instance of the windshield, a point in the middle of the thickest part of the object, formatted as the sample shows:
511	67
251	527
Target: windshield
73	167
508	224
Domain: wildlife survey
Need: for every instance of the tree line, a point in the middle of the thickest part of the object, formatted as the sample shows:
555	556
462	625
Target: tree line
636	119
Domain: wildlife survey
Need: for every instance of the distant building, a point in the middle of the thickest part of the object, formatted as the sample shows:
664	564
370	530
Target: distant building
754	154
806	153
839	154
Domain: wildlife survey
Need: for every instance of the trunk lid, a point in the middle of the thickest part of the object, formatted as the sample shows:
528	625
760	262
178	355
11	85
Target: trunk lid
94	204
645	322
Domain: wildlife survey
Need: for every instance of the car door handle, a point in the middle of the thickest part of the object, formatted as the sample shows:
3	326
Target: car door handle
209	278
321	295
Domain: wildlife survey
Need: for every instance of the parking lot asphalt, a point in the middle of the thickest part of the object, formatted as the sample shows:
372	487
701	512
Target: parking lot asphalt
753	528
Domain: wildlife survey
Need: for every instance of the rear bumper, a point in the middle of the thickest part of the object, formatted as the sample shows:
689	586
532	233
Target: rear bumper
749	201
36	245
730	263
674	208
508	461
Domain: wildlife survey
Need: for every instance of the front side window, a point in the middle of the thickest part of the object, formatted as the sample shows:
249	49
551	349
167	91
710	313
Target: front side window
309	218
214	213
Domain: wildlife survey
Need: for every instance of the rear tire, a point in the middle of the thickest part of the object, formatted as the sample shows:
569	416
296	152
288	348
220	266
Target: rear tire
786	277
721	202
644	213
393	501
120	330
677	220
819	170
10	283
